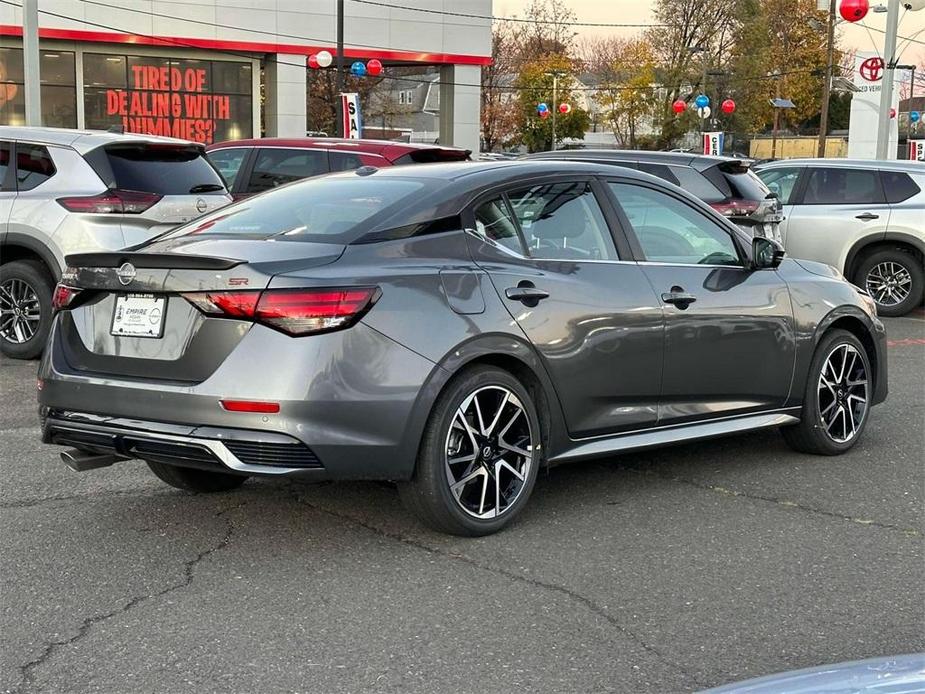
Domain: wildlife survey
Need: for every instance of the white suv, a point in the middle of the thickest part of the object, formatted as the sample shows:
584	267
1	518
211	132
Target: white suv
865	218
72	191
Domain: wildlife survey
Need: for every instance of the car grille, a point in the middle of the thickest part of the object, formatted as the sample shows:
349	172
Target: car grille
273	454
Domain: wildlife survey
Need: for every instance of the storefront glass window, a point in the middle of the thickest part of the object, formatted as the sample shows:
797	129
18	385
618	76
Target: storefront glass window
59	98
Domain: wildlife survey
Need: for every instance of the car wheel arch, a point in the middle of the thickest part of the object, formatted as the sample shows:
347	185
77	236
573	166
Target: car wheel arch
871	244
858	324
21	247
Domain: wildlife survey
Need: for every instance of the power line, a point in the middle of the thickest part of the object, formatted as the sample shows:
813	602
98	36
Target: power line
448	13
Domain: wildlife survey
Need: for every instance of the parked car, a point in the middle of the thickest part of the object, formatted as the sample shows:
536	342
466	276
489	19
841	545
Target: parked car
253	166
69	191
726	184
453	328
865	218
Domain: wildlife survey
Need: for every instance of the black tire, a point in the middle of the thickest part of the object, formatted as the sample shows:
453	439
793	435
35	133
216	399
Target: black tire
193	480
810	436
428	495
33	274
910	263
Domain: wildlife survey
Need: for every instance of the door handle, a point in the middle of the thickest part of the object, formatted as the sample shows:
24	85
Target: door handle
867	216
678	297
526	293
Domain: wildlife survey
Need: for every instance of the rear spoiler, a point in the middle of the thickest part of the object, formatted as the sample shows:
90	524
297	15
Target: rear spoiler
180	261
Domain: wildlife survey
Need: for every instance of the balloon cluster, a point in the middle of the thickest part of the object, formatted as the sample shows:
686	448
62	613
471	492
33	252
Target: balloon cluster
702	101
323	59
542	109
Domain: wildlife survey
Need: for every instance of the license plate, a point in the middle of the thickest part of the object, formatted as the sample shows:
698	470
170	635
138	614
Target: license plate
139	315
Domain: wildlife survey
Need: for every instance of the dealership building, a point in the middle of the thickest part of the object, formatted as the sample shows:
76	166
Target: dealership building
215	70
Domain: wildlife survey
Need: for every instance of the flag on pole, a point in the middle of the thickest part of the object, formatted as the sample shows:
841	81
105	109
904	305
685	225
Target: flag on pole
353	121
713	143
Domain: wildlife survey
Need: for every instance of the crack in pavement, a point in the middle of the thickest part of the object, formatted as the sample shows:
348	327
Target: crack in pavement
725	491
589	603
189	569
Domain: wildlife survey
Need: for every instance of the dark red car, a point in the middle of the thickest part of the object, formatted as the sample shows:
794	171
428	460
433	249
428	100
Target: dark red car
253	166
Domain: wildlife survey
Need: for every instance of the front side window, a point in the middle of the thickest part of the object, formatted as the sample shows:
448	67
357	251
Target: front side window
781	181
494	222
838	186
670	231
562	221
33	166
228	162
275	167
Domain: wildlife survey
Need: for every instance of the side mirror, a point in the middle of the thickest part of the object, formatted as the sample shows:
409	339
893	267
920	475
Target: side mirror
766	253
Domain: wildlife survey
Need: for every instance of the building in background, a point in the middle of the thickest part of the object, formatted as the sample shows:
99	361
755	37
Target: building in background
217	69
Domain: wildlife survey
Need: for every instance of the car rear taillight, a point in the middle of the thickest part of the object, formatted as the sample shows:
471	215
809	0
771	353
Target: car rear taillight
63	297
736	208
292	311
111	202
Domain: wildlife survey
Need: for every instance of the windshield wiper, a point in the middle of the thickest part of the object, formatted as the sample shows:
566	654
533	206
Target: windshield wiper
206	188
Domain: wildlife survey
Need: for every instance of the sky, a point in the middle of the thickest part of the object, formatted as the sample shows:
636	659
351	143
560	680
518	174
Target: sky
912	24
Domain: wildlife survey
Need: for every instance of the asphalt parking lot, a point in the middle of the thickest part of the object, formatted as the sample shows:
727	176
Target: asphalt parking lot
665	571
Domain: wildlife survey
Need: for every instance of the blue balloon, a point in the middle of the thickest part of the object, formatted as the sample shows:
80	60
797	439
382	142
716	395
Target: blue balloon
914	116
358	68
702	101
542	107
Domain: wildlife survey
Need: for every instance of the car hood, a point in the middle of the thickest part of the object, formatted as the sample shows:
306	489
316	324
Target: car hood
892	675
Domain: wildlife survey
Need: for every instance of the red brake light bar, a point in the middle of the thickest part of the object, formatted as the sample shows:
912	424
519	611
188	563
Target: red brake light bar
292	311
111	202
736	208
250	406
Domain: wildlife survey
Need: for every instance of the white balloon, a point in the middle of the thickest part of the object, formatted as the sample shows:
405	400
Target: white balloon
324	58
914	5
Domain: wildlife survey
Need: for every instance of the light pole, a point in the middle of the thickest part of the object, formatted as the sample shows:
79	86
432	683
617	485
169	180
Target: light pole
339	110
827	81
30	43
555	74
886	91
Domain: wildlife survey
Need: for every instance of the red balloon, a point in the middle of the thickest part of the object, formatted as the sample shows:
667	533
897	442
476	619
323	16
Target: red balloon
565	108
679	106
853	10
544	114
728	106
373	67
892	113
313	62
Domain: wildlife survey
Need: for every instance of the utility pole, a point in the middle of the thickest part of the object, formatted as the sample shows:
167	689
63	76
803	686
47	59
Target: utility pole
30	59
776	76
555	74
340	69
886	91
827	81
703	90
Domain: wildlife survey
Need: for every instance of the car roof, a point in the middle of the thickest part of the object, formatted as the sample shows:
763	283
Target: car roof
81	140
697	161
886	165
335	143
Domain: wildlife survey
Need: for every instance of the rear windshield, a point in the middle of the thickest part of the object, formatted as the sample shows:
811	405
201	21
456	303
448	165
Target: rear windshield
155	168
320	210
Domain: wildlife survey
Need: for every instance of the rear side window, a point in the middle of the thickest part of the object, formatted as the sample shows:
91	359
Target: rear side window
156	168
842	186
781	181
344	161
659	170
431	156
898	186
33	166
276	167
228	162
697	184
322	210
493	221
5	166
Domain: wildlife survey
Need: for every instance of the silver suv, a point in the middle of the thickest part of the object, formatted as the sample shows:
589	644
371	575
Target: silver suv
865	218
70	191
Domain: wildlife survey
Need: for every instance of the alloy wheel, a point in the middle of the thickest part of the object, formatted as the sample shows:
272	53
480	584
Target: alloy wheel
842	392
889	283
20	312
489	452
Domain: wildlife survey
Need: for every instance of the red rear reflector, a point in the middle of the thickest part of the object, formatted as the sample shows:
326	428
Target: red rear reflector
250	406
63	296
111	202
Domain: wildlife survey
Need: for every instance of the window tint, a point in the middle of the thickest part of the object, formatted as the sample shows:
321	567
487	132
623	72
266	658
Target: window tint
4	163
161	169
780	181
842	186
320	210
228	162
344	161
697	184
33	166
563	221
274	167
898	186
493	220
670	231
